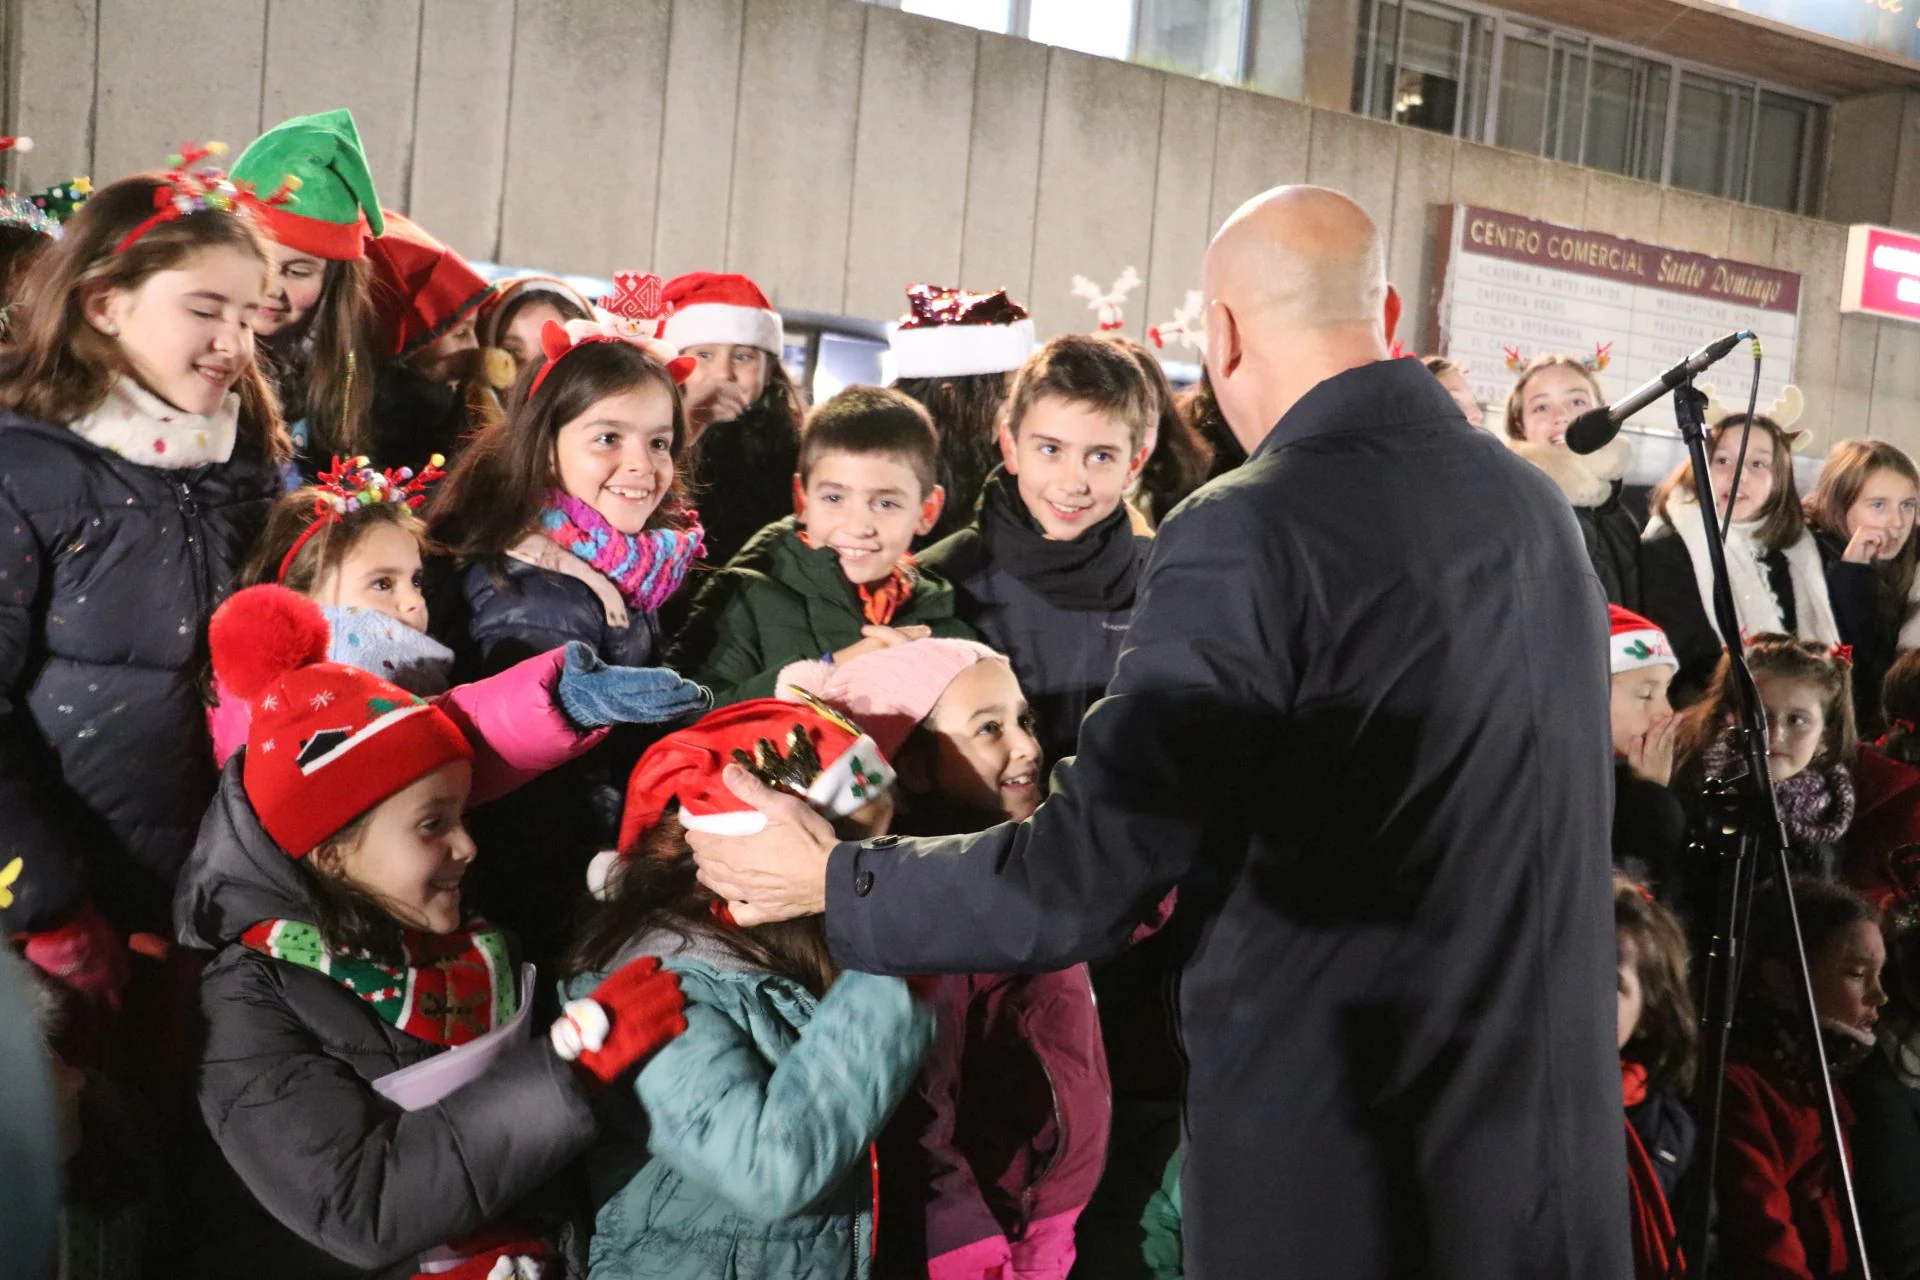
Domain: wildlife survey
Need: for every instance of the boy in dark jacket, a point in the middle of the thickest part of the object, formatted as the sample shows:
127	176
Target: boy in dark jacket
1047	569
834	580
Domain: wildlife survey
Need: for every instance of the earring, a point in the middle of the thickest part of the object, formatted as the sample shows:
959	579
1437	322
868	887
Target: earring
113	331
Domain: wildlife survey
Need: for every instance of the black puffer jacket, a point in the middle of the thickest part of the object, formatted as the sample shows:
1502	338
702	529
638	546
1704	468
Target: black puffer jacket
318	1175
108	573
538	840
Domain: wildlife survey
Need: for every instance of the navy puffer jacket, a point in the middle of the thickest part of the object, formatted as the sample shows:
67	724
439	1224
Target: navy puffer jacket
108	573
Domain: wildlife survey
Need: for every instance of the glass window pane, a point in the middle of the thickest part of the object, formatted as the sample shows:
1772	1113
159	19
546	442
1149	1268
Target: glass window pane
1427	90
1383	19
986	15
1779	151
1610	111
1710	143
1563	101
1650	139
1192	37
1101	27
1523	96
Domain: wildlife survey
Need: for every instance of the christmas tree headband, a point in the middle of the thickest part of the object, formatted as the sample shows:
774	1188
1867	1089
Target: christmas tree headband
352	485
189	187
633	313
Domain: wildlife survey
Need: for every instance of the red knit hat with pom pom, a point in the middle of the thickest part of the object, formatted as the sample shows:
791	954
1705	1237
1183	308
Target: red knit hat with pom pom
328	742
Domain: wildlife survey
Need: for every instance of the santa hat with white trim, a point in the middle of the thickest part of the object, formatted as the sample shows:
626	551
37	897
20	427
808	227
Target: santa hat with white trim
1636	643
950	333
804	748
708	306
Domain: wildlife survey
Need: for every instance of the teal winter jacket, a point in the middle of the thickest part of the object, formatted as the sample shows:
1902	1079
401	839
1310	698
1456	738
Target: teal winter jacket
742	1147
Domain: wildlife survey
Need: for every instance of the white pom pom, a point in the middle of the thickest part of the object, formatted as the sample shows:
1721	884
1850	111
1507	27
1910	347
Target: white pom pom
23	144
600	873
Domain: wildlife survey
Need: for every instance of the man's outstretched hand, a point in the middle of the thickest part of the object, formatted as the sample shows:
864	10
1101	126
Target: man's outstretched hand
775	874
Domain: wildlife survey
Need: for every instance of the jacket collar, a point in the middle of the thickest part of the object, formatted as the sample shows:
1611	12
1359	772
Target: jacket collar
1372	397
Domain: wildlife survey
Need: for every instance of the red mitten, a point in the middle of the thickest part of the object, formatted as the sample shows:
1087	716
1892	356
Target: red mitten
526	1261
628	1016
86	954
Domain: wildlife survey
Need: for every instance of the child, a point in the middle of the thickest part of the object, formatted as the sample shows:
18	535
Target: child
993	1155
328	878
1861	513
435	385
1885	1096
1178	460
1658	1049
1649	823
1202	413
743	412
316	329
353	545
139	452
1883	845
1454	378
835	579
1779	1211
1778	582
953	352
1807	689
1046	572
566	523
743	1148
512	319
1552	391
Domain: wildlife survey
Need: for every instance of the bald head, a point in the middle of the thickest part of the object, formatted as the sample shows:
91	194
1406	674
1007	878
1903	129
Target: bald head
1306	257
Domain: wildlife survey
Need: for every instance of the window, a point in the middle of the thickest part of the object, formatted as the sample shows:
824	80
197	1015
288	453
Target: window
1511	82
1193	37
987	15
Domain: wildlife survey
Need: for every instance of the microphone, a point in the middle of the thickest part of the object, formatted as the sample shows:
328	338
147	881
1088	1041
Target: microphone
1595	428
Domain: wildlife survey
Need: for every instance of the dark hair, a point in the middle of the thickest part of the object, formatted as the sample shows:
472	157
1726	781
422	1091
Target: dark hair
655	890
966	415
1086	370
1202	412
1440	366
1782	519
1771	654
345	914
57	367
494	494
294	514
18	247
873	420
323	367
1666	1042
1849	465
521	294
1825	909
1900	703
1181	459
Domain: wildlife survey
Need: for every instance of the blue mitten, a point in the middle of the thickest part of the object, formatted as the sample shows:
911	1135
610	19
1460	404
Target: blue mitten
594	694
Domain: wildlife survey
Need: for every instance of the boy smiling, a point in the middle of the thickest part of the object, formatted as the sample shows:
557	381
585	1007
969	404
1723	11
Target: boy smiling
835	579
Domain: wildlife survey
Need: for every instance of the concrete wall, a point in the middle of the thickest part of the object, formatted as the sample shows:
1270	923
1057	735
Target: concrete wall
838	150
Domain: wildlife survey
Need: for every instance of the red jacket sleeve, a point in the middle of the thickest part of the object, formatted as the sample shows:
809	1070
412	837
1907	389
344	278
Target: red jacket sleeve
1758	1239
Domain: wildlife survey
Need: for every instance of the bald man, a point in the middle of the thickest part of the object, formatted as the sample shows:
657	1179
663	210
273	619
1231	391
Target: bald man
1362	725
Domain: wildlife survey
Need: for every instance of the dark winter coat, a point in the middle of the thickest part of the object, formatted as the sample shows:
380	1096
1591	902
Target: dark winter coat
1063	637
1362	722
1882	857
108	573
1885	1140
412	418
541	837
781	601
740	474
323	1177
1007	1124
1592	484
1668	1131
1867	622
1774	1183
1649	828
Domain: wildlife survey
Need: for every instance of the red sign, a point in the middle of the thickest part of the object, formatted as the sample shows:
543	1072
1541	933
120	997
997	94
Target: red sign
1883	273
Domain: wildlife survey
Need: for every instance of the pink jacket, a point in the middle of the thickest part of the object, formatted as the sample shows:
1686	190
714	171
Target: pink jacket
512	719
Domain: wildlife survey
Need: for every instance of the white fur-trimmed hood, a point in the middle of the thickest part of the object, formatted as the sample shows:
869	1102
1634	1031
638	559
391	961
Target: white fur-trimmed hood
1586	479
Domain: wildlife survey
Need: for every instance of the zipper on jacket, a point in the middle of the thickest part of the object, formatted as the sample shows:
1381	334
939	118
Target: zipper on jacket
190	525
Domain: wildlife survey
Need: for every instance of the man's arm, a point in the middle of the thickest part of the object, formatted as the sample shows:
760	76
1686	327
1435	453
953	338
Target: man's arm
1164	764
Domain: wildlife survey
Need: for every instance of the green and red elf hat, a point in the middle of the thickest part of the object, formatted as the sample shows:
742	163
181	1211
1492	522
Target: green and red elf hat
335	207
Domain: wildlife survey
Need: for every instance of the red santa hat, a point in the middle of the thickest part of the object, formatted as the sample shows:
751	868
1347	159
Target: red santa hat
1636	643
707	306
328	742
950	333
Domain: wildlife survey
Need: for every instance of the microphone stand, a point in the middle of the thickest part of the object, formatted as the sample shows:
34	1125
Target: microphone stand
1746	819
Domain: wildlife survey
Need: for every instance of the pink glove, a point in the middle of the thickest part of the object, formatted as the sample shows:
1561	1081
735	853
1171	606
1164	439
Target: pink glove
628	1016
86	954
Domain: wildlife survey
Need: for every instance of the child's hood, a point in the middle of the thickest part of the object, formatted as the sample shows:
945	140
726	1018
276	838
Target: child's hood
236	876
389	648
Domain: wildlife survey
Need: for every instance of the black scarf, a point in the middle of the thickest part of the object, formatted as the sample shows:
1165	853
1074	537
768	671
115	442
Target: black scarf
1095	573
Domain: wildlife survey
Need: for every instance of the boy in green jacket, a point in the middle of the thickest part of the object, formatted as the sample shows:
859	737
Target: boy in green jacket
835	579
